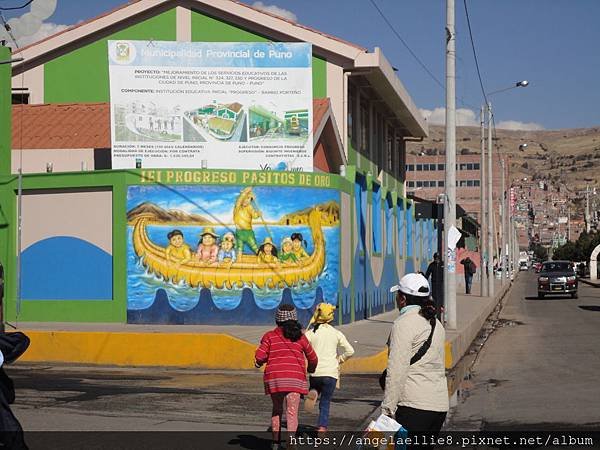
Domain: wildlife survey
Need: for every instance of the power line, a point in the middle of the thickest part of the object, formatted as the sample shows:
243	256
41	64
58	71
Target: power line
8	29
474	52
414	55
13	8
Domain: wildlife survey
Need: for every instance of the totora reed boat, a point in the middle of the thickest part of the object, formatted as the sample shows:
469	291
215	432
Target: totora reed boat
246	273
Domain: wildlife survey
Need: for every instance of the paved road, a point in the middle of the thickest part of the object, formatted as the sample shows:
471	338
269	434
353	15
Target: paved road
541	368
105	398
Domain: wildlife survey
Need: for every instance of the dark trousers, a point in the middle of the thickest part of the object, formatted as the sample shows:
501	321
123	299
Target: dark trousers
468	282
419	422
324	386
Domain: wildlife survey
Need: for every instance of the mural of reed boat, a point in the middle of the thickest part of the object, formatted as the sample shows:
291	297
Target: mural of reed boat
247	272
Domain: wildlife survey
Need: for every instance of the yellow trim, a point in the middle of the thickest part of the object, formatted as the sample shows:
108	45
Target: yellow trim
213	351
449	361
210	351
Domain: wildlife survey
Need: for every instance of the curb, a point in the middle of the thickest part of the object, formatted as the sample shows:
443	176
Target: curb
589	282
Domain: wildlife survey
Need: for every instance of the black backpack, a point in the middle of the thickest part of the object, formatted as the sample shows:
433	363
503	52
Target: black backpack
420	353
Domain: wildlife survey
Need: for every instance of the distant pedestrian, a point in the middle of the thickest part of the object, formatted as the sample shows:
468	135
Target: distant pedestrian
416	389
326	341
284	350
435	270
470	270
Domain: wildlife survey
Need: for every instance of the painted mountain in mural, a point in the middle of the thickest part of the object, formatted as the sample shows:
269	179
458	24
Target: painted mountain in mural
330	215
165	216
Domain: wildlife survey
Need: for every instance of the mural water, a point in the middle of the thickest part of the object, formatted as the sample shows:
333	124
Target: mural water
206	254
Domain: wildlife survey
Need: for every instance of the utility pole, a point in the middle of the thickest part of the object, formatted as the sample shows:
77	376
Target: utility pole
490	207
450	200
482	216
504	227
587	208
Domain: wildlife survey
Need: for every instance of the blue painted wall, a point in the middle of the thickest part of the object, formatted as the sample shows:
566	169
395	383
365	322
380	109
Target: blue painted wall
66	268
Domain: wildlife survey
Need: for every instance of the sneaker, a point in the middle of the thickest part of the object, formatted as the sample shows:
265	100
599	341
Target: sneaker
310	400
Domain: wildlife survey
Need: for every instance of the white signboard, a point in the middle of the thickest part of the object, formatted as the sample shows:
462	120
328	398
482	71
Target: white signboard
211	105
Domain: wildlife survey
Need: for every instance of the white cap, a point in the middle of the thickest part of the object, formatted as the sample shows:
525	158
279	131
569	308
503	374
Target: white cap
411	283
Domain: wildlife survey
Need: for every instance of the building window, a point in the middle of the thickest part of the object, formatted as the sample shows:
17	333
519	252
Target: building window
426	167
469	166
419	184
419	167
410	167
351	114
476	183
476	166
462	183
410	184
441	166
364	127
441	183
20	98
431	166
389	148
469	183
462	166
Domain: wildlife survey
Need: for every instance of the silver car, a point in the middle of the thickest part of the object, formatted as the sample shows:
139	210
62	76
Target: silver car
557	277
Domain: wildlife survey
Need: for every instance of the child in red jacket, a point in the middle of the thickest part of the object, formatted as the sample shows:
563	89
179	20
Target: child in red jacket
284	350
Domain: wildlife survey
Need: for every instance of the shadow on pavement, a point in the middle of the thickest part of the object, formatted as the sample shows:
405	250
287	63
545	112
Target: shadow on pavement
561	297
589	307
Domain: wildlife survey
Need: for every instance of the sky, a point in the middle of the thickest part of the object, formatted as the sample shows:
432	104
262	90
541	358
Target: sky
551	43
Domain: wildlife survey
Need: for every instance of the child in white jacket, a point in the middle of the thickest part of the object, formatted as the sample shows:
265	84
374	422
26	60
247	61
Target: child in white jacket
326	341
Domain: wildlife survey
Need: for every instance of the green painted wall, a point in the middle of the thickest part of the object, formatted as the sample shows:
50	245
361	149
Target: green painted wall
5	111
209	29
82	75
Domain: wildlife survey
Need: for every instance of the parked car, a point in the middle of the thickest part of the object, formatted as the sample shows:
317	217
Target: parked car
557	277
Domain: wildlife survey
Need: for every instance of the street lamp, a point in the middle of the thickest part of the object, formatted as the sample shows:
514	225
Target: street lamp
490	210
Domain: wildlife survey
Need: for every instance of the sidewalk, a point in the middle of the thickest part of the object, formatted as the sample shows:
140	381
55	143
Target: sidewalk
229	347
595	283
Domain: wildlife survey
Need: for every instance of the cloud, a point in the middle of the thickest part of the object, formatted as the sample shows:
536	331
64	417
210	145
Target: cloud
47	29
276	10
516	125
466	117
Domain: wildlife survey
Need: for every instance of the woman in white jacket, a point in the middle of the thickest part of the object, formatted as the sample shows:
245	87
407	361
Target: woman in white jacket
416	390
325	340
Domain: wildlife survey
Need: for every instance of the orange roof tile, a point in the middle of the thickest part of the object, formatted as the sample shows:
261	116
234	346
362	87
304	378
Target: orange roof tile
53	126
82	125
320	108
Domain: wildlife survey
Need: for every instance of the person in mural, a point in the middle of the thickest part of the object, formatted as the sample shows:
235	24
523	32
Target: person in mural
470	270
208	249
326	341
227	252
287	255
284	351
243	214
267	252
177	252
297	248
